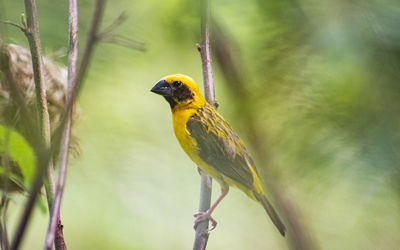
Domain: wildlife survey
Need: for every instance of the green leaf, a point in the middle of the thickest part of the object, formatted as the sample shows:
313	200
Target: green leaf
19	150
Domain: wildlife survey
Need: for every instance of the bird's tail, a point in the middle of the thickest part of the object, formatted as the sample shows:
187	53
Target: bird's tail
271	212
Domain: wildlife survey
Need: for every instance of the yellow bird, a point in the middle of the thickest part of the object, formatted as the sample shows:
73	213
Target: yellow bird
212	144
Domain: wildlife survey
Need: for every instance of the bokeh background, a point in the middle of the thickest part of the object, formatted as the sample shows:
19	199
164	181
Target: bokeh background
313	87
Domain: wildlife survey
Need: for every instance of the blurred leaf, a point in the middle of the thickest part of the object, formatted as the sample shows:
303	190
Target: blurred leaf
12	143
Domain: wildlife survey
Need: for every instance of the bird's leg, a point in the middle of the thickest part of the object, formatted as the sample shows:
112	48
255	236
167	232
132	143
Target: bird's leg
200	216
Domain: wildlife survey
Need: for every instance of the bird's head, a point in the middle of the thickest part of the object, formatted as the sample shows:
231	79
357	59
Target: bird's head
180	91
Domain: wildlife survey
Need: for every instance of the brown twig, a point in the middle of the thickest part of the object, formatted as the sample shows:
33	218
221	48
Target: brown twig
55	225
43	161
22	28
32	34
31	31
201	237
92	39
106	35
115	24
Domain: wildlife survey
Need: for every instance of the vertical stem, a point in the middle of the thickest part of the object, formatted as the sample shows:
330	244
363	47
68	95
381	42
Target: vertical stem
205	52
54	222
201	237
32	34
43	161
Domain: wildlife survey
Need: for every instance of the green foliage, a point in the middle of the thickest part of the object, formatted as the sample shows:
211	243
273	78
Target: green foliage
20	152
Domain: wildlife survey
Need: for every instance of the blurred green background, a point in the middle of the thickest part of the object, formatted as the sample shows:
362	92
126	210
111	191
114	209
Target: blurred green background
317	88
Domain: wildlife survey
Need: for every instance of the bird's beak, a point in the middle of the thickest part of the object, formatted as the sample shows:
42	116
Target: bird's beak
162	88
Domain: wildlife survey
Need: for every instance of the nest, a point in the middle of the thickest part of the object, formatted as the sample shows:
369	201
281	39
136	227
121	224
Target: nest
17	61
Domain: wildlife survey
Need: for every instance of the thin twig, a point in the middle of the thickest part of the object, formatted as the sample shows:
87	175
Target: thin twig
115	24
63	157
106	35
94	37
201	237
205	52
43	161
8	22
32	33
90	43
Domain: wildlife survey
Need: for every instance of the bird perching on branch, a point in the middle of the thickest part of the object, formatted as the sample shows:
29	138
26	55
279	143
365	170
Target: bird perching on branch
212	144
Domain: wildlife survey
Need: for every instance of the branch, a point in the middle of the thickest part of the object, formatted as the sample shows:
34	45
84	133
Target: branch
91	41
31	31
106	35
8	22
94	37
32	34
201	237
43	161
63	157
205	52
115	24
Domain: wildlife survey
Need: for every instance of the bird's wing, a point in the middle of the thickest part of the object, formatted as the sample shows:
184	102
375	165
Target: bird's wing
220	147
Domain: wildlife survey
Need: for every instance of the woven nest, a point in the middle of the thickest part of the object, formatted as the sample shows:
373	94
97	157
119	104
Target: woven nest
17	60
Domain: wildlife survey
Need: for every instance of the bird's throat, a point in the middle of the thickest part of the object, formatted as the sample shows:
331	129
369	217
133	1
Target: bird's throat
171	101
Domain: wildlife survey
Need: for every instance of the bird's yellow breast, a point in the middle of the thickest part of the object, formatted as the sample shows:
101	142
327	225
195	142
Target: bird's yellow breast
179	119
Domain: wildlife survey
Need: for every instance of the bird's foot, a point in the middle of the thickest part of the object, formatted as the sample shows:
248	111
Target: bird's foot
201	216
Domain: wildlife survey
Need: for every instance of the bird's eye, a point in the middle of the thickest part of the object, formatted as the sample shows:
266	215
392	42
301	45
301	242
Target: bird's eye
177	84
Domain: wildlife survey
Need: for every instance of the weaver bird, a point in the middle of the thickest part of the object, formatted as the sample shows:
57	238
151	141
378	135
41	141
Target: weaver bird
212	144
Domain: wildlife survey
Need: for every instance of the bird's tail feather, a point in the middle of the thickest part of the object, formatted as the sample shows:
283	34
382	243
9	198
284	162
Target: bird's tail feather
271	212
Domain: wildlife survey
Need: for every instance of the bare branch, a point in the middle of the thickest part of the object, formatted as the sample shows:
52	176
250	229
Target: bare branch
201	237
94	36
8	22
90	43
43	161
32	33
63	157
205	52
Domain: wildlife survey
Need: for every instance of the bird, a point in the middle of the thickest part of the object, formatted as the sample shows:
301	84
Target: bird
212	144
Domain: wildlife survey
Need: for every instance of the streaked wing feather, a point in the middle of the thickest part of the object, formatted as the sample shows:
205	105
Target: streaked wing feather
220	147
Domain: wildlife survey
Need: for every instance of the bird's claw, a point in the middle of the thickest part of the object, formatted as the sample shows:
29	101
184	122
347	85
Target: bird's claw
201	216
